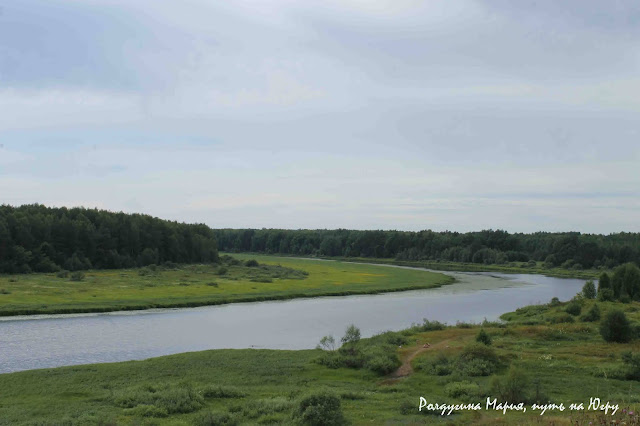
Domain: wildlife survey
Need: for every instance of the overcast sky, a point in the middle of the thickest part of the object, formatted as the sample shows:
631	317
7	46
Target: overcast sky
367	114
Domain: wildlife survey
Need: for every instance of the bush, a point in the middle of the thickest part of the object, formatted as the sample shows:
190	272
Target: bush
351	335
252	263
222	270
381	359
512	388
462	389
483	337
477	359
438	366
589	290
605	295
573	308
429	325
63	274
221	392
321	408
554	302
77	276
615	327
561	318
592	315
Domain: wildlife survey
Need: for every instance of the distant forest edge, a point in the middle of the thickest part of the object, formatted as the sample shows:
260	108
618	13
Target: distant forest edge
570	250
35	238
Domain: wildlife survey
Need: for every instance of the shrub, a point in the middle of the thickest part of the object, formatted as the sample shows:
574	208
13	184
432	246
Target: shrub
438	366
321	408
381	359
477	359
589	290
429	325
605	295
217	391
592	315
351	335
4	291
179	400
222	270
615	327
573	308
483	337
512	388
77	276
327	343
462	389
554	302
63	274
252	263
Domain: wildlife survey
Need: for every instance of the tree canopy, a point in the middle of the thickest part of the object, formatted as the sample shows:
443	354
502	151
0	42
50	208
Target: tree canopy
568	249
43	239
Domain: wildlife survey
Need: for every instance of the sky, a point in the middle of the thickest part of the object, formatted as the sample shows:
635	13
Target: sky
362	114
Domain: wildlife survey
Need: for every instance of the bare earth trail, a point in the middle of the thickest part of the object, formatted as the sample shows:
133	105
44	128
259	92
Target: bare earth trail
406	369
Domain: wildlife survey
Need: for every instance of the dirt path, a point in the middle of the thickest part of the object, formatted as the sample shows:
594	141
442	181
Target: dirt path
406	369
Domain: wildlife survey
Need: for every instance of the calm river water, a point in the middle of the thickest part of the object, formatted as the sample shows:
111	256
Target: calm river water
51	341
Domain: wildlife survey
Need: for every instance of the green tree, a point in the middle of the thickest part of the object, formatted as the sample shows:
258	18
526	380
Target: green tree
483	337
589	290
351	335
615	327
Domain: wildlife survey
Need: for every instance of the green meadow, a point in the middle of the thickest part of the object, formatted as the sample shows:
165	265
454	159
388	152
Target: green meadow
532	358
229	281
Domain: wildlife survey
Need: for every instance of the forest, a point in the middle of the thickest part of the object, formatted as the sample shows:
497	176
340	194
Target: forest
571	250
35	238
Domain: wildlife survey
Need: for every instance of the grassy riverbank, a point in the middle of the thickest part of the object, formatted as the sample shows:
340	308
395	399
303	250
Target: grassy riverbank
276	278
509	268
565	362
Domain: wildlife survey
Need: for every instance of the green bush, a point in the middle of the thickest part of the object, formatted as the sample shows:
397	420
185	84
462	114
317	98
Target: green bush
321	408
429	326
589	290
222	270
438	366
462	389
615	327
592	315
217	391
605	295
477	359
77	276
483	337
252	263
554	302
573	308
63	274
512	388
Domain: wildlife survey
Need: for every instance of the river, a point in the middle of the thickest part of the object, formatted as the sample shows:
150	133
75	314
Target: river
55	340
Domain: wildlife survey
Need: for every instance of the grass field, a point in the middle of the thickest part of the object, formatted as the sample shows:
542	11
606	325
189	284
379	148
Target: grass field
198	285
561	363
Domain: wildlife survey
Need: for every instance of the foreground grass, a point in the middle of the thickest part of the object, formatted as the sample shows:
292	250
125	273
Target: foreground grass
565	362
196	285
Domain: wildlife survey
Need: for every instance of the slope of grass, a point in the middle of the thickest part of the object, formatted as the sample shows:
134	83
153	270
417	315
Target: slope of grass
559	363
197	285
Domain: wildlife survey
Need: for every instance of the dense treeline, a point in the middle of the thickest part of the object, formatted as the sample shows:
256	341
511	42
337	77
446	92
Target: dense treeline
42	239
569	250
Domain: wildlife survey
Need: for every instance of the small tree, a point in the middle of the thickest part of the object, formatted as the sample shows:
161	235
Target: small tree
327	343
351	335
483	337
589	290
615	327
604	281
321	408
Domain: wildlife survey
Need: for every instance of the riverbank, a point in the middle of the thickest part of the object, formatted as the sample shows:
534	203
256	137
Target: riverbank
550	362
181	286
510	268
